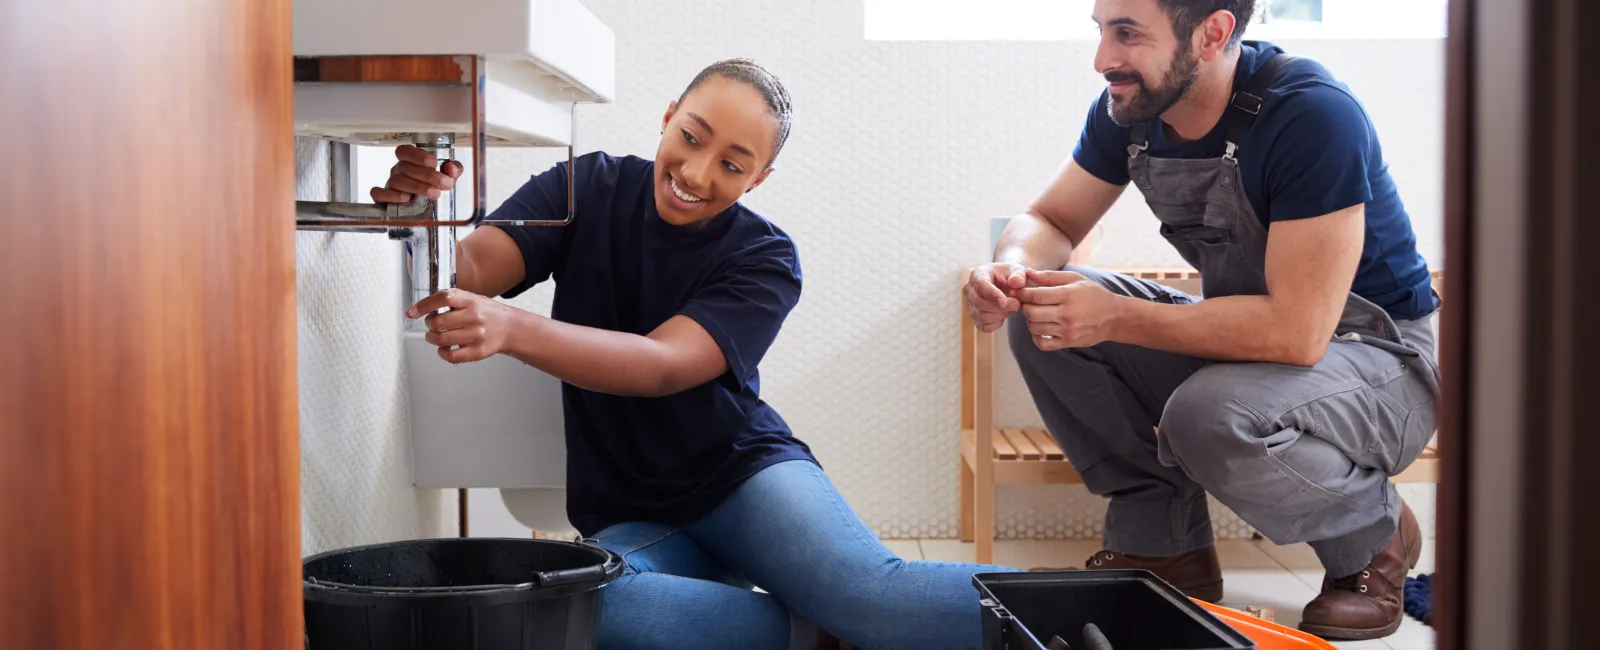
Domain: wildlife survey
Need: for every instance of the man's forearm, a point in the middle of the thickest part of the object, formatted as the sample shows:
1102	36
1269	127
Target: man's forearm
594	359
1033	242
1228	328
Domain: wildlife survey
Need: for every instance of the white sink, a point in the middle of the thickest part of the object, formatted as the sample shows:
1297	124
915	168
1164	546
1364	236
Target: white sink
541	57
495	423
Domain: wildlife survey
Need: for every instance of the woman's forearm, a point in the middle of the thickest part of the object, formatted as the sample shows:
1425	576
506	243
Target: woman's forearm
594	359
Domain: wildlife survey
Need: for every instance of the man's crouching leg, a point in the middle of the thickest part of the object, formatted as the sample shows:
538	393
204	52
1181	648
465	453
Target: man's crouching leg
1305	455
1101	404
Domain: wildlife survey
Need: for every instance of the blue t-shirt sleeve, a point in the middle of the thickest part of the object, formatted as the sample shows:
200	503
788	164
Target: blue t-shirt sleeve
1102	148
542	198
744	305
1319	159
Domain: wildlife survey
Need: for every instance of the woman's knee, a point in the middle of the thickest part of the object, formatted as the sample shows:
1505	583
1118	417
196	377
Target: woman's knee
841	598
904	604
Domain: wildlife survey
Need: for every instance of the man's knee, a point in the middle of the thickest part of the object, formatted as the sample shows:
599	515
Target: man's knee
1033	360
1101	277
1205	429
1020	339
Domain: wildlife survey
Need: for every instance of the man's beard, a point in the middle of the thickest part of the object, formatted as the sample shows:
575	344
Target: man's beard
1146	103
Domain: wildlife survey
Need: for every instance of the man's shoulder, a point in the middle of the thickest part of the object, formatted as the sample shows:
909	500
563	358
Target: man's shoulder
1306	95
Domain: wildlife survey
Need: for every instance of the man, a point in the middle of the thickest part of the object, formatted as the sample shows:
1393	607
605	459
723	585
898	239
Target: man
1303	380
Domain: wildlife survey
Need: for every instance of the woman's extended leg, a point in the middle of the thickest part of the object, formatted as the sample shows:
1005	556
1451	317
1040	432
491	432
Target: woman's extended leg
788	530
673	595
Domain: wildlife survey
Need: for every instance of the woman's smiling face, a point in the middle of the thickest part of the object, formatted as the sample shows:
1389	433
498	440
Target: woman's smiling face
716	144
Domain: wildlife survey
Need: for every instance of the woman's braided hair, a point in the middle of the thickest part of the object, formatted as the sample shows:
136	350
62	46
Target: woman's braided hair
751	74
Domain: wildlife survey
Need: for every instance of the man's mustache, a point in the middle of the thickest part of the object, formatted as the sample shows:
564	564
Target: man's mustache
1121	76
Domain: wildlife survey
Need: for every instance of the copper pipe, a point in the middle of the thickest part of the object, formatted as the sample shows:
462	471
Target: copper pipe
356	220
571	190
480	194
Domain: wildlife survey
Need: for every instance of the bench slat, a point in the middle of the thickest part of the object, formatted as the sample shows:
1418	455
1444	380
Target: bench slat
1002	447
1046	444
1025	448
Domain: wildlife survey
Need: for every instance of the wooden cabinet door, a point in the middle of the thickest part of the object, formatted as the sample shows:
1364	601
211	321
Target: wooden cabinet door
149	454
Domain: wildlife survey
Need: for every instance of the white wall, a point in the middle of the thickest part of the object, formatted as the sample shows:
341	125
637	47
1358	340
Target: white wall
900	153
355	476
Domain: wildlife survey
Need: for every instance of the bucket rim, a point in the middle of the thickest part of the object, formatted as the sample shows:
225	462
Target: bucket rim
593	576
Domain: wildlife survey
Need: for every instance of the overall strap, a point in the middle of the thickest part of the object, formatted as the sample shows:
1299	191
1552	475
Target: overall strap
1138	139
1247	100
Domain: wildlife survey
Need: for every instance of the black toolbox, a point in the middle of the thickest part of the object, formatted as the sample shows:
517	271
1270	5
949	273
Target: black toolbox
1133	609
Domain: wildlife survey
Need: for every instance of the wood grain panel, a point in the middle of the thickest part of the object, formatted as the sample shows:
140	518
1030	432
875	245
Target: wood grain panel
148	433
437	69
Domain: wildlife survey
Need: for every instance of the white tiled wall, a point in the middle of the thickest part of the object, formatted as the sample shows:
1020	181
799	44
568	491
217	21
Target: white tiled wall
355	470
900	153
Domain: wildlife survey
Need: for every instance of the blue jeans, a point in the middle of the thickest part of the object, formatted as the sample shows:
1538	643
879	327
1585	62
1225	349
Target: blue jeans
787	530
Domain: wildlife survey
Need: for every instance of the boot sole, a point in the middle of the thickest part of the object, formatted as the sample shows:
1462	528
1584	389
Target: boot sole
1351	634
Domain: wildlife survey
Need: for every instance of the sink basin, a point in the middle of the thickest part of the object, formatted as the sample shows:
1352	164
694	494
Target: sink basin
373	71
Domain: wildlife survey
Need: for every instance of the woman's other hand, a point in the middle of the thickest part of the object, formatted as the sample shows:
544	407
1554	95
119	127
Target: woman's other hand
474	328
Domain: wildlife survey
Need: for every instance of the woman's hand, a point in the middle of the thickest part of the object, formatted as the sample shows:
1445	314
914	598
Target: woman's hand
418	172
475	328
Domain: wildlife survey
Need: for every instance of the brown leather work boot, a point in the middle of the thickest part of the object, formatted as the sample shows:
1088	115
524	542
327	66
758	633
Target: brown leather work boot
1369	604
1198	574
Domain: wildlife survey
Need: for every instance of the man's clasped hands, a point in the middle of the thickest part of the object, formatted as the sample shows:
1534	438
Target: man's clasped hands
1063	309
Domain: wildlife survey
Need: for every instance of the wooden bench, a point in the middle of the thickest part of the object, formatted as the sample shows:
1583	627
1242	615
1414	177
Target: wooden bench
1030	456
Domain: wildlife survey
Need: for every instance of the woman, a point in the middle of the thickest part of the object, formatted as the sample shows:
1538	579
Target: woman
668	294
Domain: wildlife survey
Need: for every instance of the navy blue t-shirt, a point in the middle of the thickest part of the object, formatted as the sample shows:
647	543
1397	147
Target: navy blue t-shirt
1311	150
618	266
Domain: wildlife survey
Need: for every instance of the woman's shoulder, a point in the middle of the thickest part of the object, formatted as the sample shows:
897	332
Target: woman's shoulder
620	169
758	238
754	225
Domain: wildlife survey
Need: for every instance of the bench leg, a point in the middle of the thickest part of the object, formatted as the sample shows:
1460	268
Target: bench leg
983	438
983	519
967	487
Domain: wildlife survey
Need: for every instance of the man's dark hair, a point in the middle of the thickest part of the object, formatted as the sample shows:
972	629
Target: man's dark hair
753	75
1186	15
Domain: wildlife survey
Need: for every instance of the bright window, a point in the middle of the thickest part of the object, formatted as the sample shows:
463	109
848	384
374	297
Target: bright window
1059	20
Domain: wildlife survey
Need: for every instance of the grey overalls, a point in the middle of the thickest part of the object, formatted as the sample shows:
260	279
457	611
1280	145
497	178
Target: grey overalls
1301	454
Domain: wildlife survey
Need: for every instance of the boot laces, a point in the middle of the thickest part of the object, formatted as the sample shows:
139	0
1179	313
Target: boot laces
1354	582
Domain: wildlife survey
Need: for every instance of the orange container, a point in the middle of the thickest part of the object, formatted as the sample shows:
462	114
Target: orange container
1267	635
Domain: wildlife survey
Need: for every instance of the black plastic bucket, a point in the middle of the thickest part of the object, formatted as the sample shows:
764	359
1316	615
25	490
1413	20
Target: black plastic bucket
457	594
1132	610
